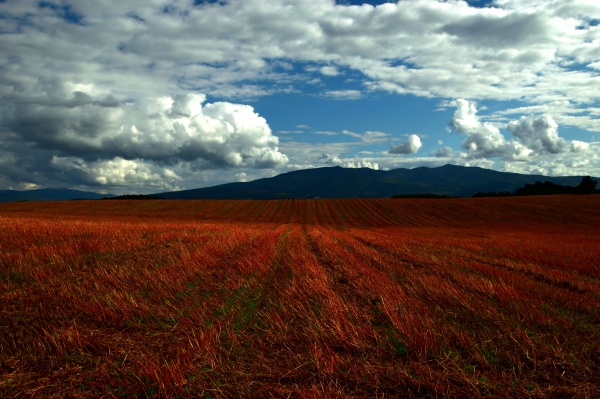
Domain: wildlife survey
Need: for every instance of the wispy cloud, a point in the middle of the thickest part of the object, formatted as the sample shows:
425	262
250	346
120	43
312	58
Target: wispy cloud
344	94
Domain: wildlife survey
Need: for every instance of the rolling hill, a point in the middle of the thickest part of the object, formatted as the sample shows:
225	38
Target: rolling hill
335	182
338	182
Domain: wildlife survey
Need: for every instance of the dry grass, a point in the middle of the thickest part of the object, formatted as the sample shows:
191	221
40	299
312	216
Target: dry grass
490	297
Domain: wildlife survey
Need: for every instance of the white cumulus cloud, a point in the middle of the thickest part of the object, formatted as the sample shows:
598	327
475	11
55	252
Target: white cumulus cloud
167	128
539	134
532	136
119	172
120	79
337	160
82	129
444	152
410	146
361	163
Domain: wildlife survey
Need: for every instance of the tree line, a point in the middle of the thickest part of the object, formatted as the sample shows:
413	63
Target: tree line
586	186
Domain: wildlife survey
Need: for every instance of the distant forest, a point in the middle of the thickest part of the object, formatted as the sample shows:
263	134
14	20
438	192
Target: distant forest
587	186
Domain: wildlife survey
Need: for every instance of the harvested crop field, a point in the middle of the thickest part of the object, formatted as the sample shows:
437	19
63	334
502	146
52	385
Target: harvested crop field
473	297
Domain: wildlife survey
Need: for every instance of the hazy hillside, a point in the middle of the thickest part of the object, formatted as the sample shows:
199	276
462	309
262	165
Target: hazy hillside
48	194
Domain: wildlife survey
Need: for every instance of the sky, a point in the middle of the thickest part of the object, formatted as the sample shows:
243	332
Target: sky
159	95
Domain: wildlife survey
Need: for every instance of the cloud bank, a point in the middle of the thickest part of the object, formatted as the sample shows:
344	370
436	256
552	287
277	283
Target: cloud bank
114	93
535	145
104	141
538	50
532	136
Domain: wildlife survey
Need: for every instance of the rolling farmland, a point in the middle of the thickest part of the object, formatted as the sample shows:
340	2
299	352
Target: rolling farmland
472	297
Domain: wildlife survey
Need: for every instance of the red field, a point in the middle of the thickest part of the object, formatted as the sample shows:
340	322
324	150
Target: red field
487	297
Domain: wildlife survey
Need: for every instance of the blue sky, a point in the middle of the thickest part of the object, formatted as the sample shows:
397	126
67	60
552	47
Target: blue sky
128	96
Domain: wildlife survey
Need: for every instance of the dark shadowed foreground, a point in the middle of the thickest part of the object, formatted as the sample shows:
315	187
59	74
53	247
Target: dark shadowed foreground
487	297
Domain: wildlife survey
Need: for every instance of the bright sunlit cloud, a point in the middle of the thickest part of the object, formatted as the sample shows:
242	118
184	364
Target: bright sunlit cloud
137	96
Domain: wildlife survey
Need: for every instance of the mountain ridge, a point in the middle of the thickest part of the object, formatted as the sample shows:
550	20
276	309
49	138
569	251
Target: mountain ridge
338	182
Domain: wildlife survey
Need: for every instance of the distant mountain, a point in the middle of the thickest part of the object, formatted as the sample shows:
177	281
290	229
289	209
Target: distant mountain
48	194
337	182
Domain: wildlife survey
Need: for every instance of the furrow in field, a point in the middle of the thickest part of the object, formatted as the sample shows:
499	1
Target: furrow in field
334	216
351	213
276	321
409	267
404	257
322	213
365	286
471	293
271	212
492	297
376	213
282	213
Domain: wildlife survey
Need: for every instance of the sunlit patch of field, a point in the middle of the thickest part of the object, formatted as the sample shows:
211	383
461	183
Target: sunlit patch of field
487	297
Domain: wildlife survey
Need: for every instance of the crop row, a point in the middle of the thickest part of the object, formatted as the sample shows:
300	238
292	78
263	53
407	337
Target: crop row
316	298
533	213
